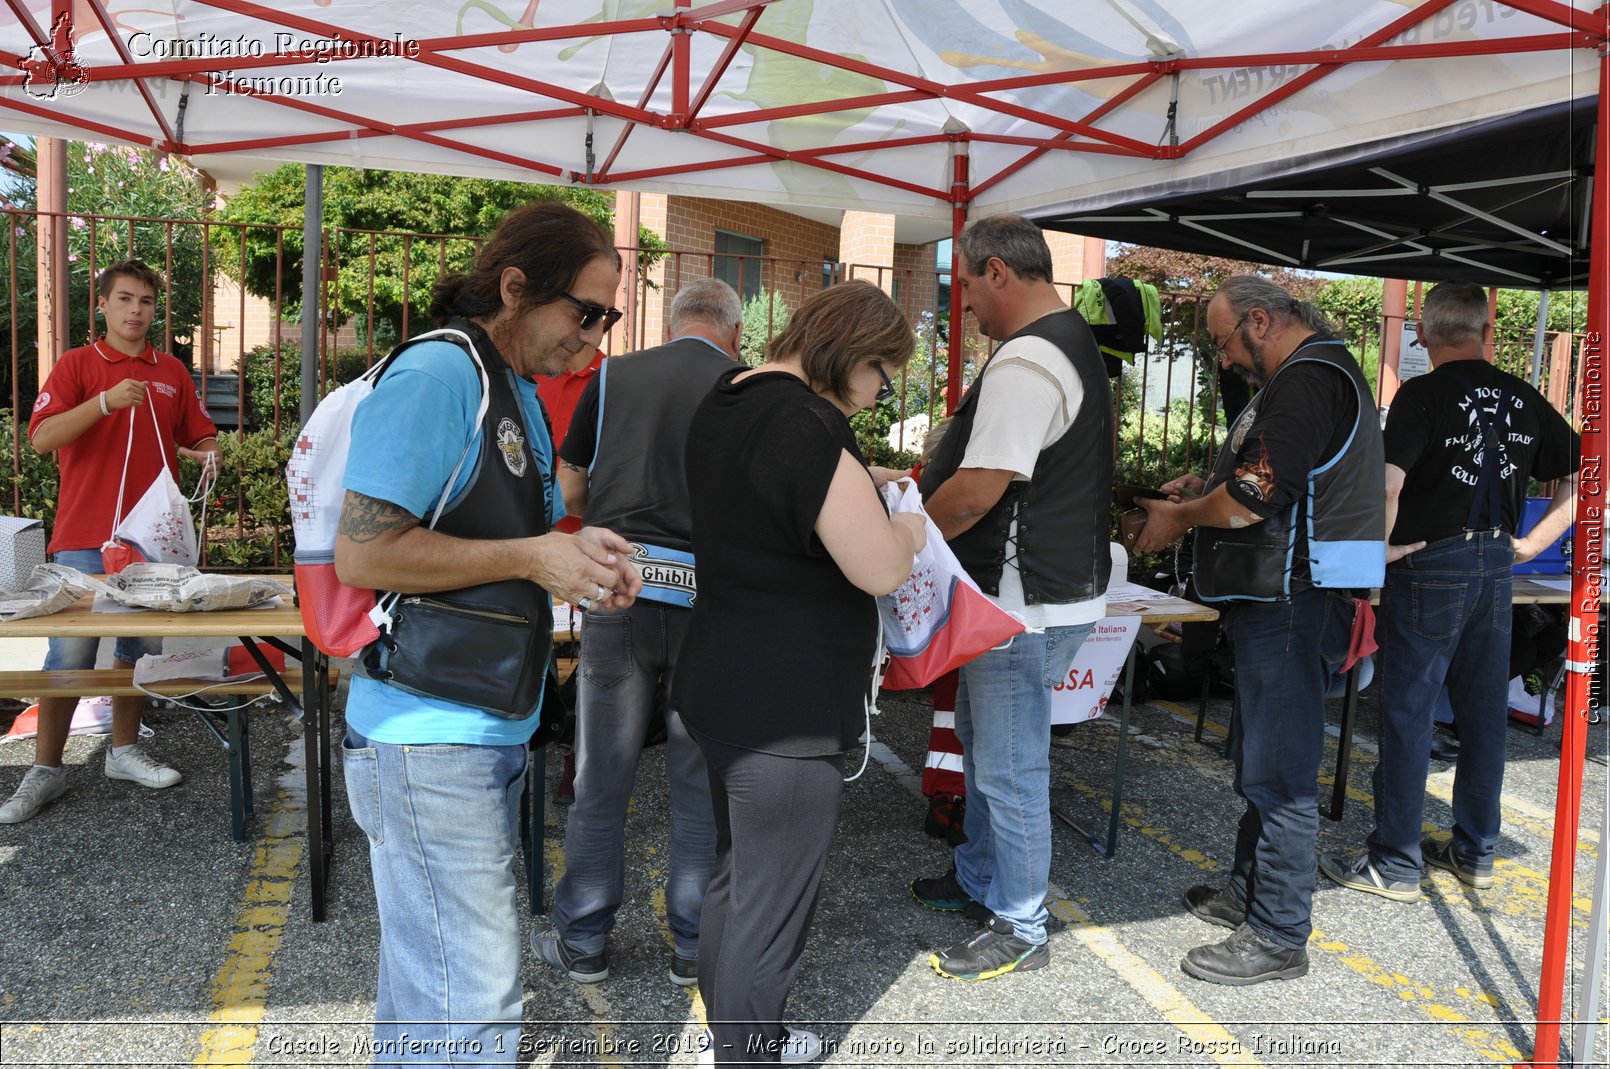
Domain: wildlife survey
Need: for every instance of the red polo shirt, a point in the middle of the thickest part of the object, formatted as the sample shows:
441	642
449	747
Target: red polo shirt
92	464
560	396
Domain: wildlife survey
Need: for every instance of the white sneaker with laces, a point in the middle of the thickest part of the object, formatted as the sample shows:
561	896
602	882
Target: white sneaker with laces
39	788
137	766
800	1046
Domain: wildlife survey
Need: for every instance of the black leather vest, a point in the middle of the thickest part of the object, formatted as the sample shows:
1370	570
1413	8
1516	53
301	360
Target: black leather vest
1062	511
465	637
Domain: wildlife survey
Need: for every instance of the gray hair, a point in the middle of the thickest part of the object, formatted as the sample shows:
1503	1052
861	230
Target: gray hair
1243	293
1013	240
708	299
1453	313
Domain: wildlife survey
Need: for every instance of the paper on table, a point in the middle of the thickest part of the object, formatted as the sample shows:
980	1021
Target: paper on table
1552	584
102	603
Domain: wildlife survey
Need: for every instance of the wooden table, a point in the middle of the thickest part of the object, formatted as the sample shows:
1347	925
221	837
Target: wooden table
1155	609
279	626
1524	592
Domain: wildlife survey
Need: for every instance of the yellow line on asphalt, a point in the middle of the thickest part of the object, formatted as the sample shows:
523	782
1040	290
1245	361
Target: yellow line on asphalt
1520	813
240	988
1202	1031
1147	982
1425	998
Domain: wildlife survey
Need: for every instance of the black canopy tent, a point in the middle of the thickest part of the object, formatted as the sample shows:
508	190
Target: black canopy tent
1506	202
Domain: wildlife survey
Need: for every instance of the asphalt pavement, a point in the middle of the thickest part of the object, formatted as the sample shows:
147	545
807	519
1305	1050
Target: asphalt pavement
138	933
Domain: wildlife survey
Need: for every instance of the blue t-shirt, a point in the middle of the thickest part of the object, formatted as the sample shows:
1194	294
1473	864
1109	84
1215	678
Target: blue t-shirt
407	437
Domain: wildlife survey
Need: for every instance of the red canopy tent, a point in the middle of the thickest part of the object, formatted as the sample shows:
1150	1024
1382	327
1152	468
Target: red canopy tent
942	109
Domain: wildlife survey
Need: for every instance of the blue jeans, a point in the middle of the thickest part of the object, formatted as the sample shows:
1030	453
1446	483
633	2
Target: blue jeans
78	653
443	823
625	658
1286	654
1003	718
1444	621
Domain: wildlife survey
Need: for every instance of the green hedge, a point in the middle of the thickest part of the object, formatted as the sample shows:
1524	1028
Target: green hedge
248	514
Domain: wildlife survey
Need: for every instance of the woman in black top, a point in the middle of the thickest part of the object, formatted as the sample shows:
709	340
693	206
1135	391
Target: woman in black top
793	541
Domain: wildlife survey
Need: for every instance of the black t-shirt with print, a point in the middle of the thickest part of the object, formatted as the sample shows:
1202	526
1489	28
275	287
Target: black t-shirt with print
1304	416
1433	434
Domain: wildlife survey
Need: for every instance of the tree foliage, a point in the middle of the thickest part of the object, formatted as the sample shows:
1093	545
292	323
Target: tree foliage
1189	272
112	193
413	227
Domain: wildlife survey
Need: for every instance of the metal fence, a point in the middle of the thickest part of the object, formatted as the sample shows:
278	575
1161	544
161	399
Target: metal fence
231	309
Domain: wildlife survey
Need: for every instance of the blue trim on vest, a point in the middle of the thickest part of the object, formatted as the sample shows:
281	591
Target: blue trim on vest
1340	564
669	575
598	431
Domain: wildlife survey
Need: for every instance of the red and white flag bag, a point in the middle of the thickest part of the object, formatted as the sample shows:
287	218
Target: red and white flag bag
938	619
341	620
159	527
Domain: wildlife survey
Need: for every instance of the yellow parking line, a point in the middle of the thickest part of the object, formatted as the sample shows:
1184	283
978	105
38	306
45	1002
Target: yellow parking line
239	994
1204	1034
1426	998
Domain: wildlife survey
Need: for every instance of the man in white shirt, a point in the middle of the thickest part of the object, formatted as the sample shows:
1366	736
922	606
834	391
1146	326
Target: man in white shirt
1020	488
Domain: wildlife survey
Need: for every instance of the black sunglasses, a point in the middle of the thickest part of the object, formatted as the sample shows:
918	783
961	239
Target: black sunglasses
885	391
592	314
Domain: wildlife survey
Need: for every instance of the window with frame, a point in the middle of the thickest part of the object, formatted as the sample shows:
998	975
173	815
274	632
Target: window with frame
738	262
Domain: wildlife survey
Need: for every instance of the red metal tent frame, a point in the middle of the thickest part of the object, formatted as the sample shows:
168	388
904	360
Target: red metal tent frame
691	90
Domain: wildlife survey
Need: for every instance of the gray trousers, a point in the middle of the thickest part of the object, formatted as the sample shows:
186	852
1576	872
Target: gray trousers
775	818
624	658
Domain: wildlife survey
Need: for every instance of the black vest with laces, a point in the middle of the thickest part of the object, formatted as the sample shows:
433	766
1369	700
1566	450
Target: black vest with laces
1062	510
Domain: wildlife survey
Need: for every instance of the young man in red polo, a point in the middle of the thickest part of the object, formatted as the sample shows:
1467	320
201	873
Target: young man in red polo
82	415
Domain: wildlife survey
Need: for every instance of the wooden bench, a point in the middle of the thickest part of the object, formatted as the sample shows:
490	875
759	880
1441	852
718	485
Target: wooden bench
229	726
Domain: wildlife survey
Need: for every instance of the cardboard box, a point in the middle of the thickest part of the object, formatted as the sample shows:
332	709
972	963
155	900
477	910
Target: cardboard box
22	548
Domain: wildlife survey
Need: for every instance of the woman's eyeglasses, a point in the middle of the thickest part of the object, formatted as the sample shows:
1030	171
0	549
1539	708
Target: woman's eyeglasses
592	314
885	391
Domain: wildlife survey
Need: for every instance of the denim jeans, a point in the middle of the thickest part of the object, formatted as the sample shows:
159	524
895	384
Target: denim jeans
1003	718
1444	621
443	823
80	652
1286	654
625	656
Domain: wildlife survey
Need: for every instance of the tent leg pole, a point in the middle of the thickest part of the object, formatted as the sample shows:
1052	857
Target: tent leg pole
1583	645
312	257
958	222
1536	377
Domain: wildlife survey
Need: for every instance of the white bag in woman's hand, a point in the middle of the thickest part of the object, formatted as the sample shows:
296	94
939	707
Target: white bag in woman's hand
938	619
159	525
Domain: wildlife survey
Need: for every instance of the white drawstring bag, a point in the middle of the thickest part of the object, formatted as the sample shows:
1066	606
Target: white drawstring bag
159	525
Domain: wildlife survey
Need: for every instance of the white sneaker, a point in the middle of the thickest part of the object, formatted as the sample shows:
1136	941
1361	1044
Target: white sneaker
39	788
801	1046
140	767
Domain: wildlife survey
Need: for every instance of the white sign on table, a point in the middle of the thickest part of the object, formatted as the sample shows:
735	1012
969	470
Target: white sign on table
1083	694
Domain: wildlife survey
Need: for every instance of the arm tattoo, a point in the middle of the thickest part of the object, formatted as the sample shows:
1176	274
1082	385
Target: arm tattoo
363	519
568	466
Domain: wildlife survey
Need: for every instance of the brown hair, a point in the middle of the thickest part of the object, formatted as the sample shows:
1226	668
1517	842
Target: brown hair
551	242
138	270
838	329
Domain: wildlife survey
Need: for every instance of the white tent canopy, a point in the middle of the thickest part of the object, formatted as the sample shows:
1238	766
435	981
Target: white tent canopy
851	104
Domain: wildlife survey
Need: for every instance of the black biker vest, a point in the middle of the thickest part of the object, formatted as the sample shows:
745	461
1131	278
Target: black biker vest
1061	511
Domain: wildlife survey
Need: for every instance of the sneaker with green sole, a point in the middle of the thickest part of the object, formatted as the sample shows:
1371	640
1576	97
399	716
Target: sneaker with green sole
993	952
